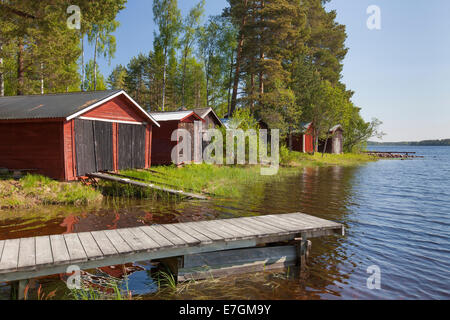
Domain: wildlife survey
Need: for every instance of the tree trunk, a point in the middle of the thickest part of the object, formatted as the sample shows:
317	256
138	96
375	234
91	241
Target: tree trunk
183	78
20	69
42	78
238	63
95	62
83	71
261	56
2	78
325	146
164	81
230	79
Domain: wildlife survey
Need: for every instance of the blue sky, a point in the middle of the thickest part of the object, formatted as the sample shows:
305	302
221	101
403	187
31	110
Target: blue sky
400	74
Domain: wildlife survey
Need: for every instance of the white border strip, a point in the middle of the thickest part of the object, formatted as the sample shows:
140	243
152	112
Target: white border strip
113	121
79	113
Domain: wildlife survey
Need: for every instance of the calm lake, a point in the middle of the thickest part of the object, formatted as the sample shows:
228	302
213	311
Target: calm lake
396	212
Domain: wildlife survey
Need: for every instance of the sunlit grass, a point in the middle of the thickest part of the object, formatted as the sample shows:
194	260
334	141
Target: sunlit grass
34	190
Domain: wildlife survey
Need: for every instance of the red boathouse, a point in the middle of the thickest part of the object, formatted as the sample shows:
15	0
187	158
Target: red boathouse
162	144
304	141
66	136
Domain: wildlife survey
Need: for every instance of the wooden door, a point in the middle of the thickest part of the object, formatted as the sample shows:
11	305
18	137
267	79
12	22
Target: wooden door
93	146
131	146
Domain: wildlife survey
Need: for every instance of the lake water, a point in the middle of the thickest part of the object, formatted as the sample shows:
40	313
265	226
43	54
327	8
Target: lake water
396	213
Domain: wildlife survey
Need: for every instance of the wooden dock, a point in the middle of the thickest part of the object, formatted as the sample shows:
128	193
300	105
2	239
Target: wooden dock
123	180
27	258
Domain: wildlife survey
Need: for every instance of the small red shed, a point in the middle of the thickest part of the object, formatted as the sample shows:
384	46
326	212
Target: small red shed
304	141
162	144
66	136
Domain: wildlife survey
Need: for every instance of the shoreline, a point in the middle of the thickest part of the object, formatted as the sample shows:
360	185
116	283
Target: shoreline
34	191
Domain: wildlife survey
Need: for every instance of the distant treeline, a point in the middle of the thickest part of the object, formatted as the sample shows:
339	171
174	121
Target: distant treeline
443	142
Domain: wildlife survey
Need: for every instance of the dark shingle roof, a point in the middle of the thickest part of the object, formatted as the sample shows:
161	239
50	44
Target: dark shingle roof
49	105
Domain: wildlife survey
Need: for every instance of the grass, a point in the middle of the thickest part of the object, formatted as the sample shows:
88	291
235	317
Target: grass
231	181
34	190
298	159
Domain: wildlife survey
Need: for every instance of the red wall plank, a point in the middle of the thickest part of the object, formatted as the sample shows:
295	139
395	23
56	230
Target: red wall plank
117	109
31	145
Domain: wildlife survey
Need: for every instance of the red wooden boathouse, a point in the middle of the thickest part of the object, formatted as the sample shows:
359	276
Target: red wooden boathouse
304	141
162	144
65	136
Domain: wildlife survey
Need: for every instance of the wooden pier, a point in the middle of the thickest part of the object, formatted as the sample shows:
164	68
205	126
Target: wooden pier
130	181
27	258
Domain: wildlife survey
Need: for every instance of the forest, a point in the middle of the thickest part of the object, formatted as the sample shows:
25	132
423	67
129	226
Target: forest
280	61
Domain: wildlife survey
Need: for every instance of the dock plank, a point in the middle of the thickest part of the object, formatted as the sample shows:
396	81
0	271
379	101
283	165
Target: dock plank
10	255
134	242
43	251
2	244
194	233
202	230
177	241
180	233
206	225
144	238
27	253
75	248
119	244
59	249
157	237
104	243
90	245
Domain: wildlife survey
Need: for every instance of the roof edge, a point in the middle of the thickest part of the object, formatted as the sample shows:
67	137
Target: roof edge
108	98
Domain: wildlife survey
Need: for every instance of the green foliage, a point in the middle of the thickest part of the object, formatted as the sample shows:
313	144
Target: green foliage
91	74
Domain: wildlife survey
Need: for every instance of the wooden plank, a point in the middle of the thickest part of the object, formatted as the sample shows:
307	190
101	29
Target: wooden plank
2	244
214	229
258	231
238	228
59	249
144	238
197	227
27	253
75	248
146	185
134	242
43	251
118	242
183	235
263	226
90	245
318	222
104	243
225	263
251	226
10	255
157	237
276	223
169	235
283	221
194	233
230	229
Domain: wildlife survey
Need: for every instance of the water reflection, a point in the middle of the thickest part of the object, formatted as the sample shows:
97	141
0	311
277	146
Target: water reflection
386	207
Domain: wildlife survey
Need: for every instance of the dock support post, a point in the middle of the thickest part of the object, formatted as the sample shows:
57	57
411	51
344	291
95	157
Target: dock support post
18	289
303	249
173	264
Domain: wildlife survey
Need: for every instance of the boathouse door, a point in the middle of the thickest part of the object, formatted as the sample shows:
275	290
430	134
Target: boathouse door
131	146
93	146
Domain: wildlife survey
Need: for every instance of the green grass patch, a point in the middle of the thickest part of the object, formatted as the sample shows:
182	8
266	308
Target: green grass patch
35	190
